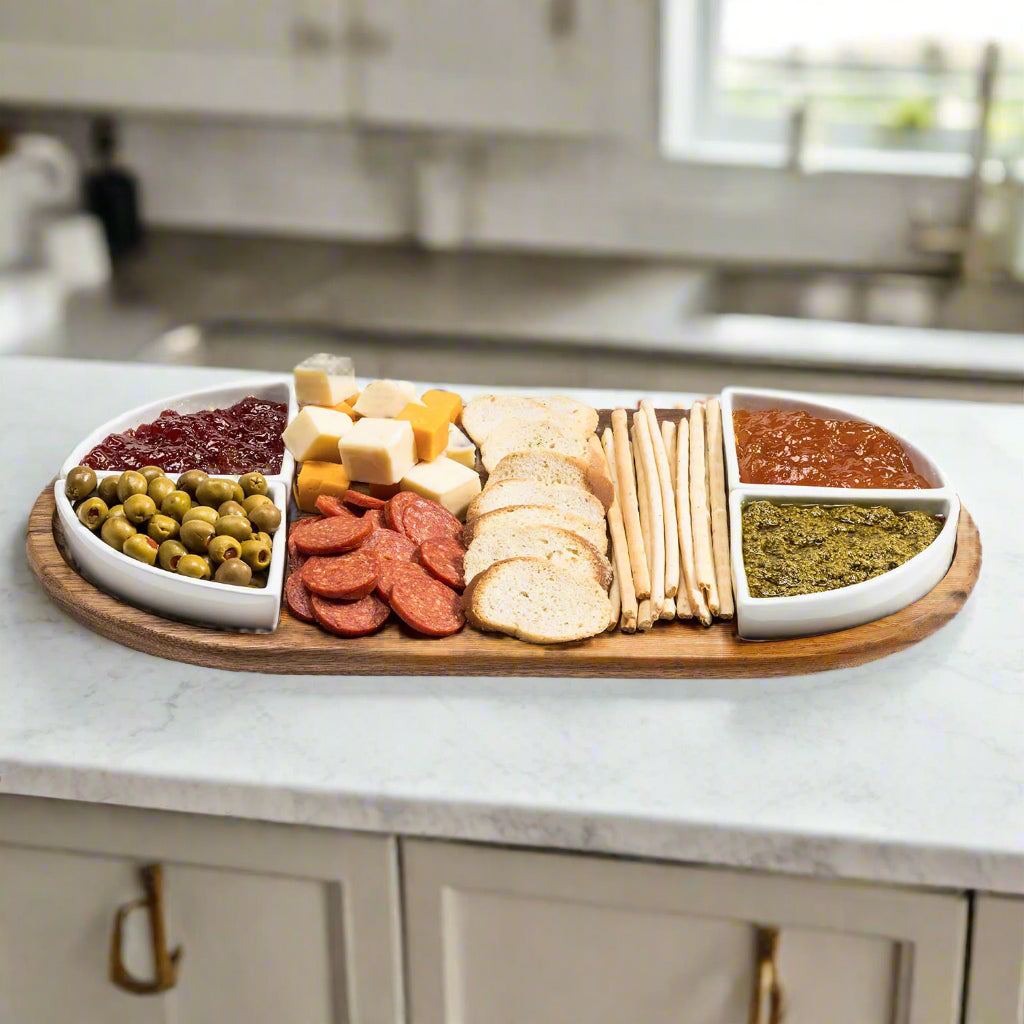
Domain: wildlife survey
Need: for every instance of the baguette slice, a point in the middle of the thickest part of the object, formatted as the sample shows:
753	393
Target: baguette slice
552	468
554	544
536	601
562	407
529	516
483	414
513	435
530	492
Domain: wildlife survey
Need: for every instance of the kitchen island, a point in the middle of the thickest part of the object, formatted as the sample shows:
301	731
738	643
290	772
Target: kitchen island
908	770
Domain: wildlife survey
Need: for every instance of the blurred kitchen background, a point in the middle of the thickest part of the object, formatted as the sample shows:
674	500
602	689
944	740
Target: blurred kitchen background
631	193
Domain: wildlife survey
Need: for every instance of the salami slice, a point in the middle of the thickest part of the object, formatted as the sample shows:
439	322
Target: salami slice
429	607
295	561
395	509
297	597
375	517
350	618
394	569
350	576
389	544
332	535
422	519
331	506
296	527
360	500
443	557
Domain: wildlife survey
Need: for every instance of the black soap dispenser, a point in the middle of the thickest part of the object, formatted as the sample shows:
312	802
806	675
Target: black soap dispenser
112	193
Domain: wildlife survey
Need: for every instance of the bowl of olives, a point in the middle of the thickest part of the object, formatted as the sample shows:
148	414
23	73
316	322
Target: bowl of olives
189	545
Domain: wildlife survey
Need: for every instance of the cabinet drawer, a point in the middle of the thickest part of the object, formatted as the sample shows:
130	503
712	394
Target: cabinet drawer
503	936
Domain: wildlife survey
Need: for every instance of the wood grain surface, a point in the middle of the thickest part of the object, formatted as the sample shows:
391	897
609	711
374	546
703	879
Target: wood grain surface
673	649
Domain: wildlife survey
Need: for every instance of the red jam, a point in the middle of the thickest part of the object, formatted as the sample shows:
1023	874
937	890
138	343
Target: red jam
244	438
790	446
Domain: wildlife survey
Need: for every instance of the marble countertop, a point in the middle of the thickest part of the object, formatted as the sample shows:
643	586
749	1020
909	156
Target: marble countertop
910	769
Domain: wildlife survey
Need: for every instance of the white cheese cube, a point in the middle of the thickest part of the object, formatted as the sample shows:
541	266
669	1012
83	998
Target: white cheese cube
444	481
324	379
315	433
385	398
460	449
378	451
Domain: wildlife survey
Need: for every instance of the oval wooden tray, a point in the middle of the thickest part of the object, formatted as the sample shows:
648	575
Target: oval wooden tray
676	649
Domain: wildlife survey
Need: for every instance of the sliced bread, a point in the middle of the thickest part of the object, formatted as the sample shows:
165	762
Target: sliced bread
528	516
545	435
530	492
483	414
566	408
553	468
554	544
536	601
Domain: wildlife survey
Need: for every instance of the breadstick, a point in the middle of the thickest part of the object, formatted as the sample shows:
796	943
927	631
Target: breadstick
620	549
719	510
644	456
614	604
643	500
668	436
693	593
700	515
628	505
668	505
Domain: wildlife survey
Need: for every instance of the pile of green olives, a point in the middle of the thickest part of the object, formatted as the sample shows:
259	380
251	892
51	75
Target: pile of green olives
199	526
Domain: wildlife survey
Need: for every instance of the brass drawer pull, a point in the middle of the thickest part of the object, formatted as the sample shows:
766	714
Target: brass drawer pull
767	985
165	961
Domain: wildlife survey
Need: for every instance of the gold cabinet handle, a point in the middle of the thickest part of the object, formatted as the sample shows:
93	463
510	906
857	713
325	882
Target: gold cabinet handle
767	985
165	961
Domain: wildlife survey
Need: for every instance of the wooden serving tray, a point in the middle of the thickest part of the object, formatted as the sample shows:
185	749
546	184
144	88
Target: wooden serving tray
672	649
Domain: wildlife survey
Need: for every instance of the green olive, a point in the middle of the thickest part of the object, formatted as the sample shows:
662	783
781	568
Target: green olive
80	483
215	490
223	547
162	528
265	537
204	512
151	473
254	501
190	480
253	483
116	511
138	508
93	512
196	535
194	567
131	483
107	489
266	518
159	488
176	505
116	531
234	572
230	508
236	492
259	579
169	553
256	554
141	548
234	526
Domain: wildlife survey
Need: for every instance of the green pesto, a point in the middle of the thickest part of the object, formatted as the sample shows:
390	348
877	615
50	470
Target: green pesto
805	549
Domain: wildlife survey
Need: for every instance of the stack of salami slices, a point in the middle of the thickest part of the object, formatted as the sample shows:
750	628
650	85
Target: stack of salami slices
363	558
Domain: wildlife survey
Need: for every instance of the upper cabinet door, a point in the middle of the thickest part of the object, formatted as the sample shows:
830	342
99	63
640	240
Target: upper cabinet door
277	58
535	66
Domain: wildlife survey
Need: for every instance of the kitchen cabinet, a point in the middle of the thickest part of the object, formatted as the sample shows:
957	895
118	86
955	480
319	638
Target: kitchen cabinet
275	923
995	983
277	58
502	936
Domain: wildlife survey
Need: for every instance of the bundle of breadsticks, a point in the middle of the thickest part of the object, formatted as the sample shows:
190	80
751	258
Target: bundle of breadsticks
669	522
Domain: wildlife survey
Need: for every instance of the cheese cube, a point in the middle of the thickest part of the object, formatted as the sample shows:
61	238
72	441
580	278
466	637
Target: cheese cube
347	409
444	481
460	449
429	427
316	478
447	400
378	451
315	433
324	379
385	399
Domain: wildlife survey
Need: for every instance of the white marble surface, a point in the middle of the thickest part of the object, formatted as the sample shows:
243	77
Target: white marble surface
910	769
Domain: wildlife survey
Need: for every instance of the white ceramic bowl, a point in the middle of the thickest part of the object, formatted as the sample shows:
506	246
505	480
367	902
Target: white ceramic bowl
770	618
170	595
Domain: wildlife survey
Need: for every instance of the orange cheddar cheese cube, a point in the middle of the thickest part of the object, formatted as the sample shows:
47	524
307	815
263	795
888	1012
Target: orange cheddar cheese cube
346	408
316	478
447	400
429	428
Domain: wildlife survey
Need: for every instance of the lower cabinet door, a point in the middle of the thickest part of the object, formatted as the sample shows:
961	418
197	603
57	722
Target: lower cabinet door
995	985
507	937
275	924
